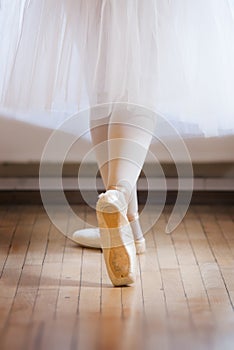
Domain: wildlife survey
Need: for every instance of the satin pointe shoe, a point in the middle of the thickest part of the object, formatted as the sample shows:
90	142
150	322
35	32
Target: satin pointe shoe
90	238
116	237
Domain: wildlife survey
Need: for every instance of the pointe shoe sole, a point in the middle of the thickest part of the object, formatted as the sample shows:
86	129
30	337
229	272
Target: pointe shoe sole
117	244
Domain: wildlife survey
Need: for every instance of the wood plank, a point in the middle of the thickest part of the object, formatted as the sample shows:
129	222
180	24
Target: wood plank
3	211
28	214
70	280
196	295
154	323
226	226
165	248
39	240
89	299
90	293
55	246
13	268
19	247
183	249
6	236
5	307
45	305
176	303
14	337
132	316
217	241
228	277
216	290
47	296
198	240
111	312
11	217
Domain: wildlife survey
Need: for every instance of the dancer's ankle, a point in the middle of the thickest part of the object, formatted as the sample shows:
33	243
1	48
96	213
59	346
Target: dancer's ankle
134	221
133	216
123	189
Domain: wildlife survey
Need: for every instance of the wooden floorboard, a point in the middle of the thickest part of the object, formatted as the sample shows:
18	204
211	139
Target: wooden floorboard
57	295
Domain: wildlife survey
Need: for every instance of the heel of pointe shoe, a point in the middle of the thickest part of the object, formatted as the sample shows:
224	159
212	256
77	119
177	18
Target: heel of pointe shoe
140	246
140	242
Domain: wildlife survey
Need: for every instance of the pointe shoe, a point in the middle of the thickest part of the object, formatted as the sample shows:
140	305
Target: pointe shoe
90	237
140	246
116	238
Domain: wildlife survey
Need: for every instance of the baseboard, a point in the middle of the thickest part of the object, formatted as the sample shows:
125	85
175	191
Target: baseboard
90	197
89	183
200	169
213	183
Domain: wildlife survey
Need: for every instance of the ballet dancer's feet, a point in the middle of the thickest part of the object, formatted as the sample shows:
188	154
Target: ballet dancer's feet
116	237
90	237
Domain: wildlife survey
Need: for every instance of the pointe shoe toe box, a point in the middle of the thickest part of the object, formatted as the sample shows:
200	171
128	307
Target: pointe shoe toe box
87	238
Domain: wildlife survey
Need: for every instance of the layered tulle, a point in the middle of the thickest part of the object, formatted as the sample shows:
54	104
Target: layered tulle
175	57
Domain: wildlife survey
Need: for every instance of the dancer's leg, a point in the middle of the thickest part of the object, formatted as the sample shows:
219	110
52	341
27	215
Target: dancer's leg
99	135
134	220
129	138
130	134
91	237
99	132
121	143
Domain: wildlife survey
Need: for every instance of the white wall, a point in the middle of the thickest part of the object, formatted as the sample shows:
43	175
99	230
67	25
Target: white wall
21	142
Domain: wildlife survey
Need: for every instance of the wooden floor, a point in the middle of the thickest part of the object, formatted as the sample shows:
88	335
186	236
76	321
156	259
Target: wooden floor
57	295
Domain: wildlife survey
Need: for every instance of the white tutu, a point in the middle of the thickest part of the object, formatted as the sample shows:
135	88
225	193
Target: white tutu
175	57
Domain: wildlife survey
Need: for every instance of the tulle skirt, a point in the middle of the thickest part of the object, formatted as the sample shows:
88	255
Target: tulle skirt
175	57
